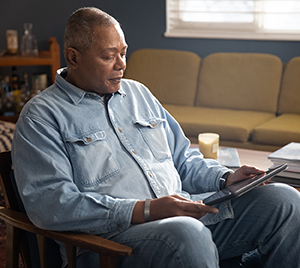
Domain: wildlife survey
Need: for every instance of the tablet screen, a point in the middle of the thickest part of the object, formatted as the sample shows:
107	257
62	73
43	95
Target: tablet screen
241	187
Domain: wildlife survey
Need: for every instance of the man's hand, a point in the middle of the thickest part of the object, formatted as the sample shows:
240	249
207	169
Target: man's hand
171	206
243	173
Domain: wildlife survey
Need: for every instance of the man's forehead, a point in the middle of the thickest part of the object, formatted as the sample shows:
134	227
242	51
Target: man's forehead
114	49
111	37
107	30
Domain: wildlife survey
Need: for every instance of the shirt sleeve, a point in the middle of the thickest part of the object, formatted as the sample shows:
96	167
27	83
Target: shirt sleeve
198	175
44	177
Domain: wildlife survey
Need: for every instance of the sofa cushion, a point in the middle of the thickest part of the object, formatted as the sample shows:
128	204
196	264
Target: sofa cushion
278	131
171	75
231	125
289	100
243	81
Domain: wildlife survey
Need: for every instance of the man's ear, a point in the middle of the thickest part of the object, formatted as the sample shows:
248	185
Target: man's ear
72	56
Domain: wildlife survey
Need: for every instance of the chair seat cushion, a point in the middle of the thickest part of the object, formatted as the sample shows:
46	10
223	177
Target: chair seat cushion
231	125
278	131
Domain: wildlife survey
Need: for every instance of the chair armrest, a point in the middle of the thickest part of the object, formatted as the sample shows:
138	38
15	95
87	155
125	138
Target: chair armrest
83	240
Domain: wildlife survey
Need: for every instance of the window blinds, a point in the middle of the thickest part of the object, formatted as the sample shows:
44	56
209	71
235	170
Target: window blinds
256	19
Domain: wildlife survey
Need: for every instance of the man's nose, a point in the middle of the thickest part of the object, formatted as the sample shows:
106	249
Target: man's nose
120	62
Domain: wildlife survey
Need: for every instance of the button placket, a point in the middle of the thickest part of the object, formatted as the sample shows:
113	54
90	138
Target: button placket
127	144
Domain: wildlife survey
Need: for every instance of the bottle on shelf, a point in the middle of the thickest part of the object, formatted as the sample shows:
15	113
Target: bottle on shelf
18	100
2	94
50	58
13	94
8	99
12	42
39	83
25	88
29	44
15	82
9	107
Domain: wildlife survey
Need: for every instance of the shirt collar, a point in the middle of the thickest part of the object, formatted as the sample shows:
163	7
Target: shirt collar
75	94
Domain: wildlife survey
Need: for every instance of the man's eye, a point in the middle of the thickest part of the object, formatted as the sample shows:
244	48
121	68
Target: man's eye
109	58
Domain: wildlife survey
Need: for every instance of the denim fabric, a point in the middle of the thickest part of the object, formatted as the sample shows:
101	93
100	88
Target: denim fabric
81	164
266	219
266	224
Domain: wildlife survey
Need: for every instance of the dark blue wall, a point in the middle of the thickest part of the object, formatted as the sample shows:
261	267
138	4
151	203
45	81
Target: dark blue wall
143	22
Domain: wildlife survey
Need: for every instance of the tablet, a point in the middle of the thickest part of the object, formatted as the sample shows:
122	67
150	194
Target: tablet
236	189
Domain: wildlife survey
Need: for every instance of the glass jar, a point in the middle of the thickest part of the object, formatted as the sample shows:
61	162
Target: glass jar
29	44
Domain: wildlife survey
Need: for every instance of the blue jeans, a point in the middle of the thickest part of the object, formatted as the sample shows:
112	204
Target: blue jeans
266	218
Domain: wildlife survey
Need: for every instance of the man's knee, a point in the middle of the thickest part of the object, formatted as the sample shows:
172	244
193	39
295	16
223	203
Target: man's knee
188	236
286	201
273	204
187	228
279	193
185	241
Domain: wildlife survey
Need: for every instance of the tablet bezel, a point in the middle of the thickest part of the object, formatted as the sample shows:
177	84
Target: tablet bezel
241	187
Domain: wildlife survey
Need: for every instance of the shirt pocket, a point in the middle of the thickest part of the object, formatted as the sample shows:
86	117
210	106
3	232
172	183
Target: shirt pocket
92	157
154	135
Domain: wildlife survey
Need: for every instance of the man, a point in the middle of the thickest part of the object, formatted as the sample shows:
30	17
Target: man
104	145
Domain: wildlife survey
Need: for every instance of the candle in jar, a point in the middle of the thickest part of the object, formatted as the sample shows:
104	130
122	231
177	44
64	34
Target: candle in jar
12	41
209	145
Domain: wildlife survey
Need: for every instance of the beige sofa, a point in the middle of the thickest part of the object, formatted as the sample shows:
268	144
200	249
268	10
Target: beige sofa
249	99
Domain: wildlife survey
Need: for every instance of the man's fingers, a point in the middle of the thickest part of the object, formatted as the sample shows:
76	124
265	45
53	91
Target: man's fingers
249	170
199	207
195	207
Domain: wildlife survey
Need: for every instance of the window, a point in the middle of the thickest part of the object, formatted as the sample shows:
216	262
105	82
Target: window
234	19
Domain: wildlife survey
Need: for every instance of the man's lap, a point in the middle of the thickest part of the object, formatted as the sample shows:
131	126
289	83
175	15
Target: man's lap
169	237
255	215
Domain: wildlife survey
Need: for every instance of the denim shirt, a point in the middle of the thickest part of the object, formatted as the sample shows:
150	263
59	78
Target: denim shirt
82	163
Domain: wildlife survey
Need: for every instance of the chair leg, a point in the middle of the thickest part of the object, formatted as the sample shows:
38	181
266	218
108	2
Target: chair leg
71	255
42	244
12	248
24	250
106	261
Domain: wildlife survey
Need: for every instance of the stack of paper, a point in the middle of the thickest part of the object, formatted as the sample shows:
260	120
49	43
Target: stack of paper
289	154
229	157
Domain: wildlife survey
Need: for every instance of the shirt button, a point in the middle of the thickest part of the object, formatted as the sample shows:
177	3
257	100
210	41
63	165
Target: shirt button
149	174
153	125
119	130
88	139
134	152
120	226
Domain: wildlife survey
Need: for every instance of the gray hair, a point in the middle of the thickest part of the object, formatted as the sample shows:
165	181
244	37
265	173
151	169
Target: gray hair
79	32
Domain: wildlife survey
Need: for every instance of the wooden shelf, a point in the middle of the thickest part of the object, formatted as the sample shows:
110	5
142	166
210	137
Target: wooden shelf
11	118
51	57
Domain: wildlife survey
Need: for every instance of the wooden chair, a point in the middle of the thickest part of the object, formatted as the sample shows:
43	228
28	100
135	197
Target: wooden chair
18	225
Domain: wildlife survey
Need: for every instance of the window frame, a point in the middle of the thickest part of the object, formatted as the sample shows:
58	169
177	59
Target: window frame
249	31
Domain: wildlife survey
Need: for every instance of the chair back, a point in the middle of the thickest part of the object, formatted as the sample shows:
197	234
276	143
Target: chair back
28	242
6	182
37	246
